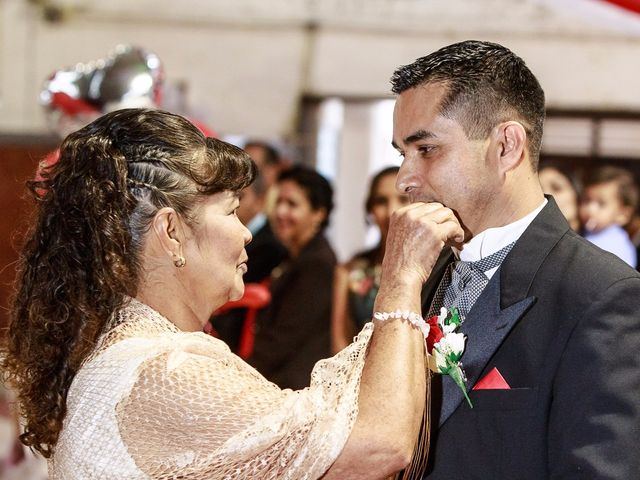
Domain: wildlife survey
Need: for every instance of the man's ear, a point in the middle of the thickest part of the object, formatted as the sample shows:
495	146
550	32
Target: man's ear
168	229
511	140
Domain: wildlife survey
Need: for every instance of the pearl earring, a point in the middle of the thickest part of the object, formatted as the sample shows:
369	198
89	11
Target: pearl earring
179	262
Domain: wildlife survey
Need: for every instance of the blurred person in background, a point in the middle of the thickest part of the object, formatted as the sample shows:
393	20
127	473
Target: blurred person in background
358	280
608	205
558	181
265	253
135	243
267	159
16	462
633	230
270	163
294	331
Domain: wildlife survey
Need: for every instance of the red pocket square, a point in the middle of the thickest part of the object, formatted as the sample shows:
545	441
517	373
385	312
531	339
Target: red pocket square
492	381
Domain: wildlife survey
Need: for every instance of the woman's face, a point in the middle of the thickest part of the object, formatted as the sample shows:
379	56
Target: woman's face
295	222
215	254
385	200
555	183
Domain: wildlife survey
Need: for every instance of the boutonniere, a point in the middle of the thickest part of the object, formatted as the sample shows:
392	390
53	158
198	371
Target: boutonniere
445	347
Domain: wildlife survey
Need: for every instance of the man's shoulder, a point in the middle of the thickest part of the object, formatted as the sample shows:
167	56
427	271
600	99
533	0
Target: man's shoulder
551	248
576	258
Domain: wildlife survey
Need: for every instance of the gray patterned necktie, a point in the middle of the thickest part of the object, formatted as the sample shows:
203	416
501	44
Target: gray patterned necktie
463	282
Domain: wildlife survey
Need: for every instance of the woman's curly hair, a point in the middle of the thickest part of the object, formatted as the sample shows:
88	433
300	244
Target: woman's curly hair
82	255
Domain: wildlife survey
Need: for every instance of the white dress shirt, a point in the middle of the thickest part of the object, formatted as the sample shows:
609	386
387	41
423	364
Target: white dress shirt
493	239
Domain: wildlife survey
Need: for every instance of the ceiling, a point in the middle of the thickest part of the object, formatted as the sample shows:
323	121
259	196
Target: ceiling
525	17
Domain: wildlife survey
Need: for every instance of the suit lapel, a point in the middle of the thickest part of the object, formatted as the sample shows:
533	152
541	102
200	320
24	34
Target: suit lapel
503	302
430	287
486	327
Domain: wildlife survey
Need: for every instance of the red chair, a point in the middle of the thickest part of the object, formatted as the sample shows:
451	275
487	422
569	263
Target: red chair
256	296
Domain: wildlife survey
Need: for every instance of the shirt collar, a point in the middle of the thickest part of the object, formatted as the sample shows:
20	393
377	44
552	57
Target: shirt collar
493	239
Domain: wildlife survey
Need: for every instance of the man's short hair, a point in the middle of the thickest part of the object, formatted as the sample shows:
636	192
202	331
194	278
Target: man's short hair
259	186
622	178
271	155
486	84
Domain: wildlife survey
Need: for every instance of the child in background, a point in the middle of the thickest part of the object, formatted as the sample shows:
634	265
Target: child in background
609	201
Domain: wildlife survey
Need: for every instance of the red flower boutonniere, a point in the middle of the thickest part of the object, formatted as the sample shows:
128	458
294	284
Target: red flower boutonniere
445	347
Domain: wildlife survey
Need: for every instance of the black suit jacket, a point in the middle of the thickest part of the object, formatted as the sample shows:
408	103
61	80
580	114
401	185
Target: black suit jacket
292	333
265	253
560	320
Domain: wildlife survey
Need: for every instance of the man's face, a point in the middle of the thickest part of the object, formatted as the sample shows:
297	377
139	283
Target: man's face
440	163
250	205
268	171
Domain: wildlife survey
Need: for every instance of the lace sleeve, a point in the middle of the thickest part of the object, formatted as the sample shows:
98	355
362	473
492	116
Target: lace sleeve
197	411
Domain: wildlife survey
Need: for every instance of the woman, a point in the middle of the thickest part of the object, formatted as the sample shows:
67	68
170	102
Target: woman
557	181
135	244
292	334
357	281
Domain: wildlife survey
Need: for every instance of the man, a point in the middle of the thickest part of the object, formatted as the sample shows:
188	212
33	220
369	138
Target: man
270	164
552	322
265	252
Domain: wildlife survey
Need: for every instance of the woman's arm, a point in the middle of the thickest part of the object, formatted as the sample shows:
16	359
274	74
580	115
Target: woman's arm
392	389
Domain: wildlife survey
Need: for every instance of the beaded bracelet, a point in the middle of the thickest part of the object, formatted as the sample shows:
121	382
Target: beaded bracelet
413	318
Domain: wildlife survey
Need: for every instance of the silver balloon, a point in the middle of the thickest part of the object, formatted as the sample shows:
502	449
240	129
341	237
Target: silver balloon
129	76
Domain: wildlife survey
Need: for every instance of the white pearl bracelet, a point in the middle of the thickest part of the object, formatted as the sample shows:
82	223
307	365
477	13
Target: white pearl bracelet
413	318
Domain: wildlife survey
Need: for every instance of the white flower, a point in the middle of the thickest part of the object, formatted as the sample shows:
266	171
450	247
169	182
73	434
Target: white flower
437	361
455	342
448	329
443	315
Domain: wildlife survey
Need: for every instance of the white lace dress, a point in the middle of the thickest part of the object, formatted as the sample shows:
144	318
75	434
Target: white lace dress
153	402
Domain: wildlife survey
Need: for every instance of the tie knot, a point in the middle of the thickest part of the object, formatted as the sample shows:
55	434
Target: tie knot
463	273
463	282
492	261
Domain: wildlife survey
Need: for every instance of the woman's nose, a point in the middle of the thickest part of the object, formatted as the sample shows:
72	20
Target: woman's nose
247	236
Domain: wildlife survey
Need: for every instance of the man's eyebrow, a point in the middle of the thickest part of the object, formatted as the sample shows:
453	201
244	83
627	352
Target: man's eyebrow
419	135
415	137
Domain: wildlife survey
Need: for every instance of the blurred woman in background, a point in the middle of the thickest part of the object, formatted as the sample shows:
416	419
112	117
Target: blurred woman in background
558	181
293	332
357	281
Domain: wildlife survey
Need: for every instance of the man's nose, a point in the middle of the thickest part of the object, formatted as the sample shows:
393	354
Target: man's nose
407	180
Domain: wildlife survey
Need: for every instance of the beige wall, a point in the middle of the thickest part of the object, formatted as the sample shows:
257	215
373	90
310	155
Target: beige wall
246	75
